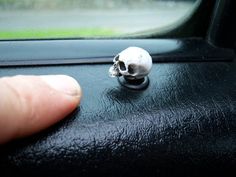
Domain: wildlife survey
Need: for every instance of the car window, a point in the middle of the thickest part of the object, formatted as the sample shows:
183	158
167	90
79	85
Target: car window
34	19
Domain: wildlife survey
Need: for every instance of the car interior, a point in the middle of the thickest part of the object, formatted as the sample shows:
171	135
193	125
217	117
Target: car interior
182	124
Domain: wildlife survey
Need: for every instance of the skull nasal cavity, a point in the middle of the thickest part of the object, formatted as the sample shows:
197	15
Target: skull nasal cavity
122	66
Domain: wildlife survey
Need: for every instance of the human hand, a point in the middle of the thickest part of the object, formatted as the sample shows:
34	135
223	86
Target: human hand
29	104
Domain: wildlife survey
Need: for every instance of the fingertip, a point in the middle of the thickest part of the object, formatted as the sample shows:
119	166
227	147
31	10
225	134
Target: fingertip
35	103
63	83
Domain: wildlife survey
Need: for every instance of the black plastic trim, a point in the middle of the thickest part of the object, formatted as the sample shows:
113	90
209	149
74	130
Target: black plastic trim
57	52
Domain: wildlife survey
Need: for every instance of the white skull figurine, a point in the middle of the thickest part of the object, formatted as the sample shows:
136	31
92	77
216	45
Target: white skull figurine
133	63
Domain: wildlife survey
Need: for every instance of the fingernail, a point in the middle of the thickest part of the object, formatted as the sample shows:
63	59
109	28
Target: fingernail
63	83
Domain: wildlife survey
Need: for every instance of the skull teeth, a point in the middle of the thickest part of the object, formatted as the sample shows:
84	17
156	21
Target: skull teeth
113	71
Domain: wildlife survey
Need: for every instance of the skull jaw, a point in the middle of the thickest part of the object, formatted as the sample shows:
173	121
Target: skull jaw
114	72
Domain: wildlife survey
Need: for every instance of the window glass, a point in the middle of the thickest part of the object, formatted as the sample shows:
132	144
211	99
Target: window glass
28	19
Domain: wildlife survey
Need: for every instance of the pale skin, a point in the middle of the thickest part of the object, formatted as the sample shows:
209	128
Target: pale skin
30	104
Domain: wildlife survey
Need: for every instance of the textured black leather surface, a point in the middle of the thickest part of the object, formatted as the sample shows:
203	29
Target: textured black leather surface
183	124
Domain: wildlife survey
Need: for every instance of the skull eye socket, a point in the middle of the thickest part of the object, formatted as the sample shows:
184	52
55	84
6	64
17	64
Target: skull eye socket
131	69
122	66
